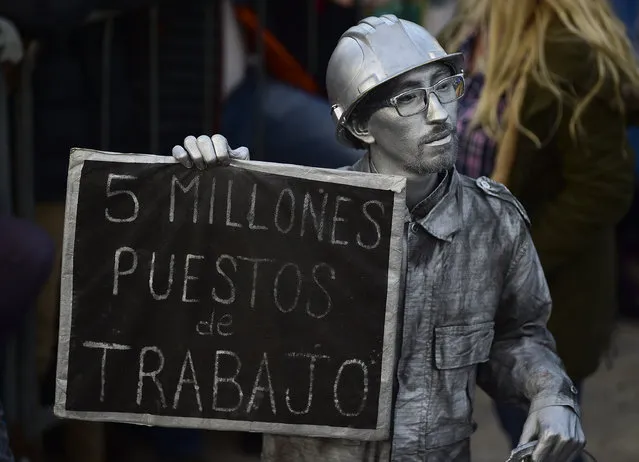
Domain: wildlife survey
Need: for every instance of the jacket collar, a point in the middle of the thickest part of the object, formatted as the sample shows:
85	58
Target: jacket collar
444	218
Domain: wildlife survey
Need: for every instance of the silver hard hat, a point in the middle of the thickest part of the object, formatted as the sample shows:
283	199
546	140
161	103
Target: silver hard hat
371	53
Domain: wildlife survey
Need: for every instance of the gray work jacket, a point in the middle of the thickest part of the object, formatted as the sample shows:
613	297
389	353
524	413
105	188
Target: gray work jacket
475	310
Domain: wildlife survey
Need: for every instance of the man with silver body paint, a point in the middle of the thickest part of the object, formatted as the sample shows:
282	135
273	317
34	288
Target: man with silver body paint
475	300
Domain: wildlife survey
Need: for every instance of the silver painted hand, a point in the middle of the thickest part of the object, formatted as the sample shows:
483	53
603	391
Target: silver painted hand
558	429
205	151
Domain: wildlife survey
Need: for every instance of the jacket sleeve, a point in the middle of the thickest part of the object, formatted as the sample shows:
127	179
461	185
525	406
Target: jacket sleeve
597	186
596	174
523	366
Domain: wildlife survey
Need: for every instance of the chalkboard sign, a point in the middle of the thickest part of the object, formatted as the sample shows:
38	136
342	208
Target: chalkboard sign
254	297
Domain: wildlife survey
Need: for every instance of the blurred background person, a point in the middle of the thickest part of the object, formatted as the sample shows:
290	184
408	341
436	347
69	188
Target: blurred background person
65	89
543	114
26	252
289	102
26	259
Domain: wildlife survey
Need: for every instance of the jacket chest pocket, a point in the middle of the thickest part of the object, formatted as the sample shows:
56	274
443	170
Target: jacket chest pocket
457	352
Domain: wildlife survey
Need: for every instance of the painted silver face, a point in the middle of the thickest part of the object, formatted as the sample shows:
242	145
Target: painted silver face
416	126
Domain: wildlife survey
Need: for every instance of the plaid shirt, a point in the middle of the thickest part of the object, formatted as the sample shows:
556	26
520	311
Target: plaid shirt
5	451
477	151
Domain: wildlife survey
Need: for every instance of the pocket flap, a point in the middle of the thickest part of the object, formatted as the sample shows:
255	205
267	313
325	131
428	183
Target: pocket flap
460	346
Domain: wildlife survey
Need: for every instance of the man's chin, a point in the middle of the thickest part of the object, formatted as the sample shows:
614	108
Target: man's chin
436	164
435	159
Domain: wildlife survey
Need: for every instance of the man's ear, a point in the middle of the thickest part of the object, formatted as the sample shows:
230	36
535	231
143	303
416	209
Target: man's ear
359	129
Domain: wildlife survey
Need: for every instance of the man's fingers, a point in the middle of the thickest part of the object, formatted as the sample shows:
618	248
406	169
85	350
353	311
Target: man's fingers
546	448
241	153
529	432
190	143
206	151
182	156
221	149
205	145
574	447
562	450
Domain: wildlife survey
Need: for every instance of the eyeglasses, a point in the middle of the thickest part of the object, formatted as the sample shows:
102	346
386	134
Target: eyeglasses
414	101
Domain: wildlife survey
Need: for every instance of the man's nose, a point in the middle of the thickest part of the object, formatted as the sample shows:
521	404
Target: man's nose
436	112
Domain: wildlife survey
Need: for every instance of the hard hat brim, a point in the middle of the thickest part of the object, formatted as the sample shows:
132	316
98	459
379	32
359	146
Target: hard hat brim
344	136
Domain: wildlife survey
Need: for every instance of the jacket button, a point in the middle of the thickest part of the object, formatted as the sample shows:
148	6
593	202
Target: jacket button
483	183
413	227
574	389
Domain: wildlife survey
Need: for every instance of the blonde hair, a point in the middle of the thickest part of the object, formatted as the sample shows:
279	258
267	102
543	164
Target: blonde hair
517	31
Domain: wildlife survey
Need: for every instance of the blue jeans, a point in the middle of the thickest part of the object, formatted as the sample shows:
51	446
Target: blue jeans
513	418
5	451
